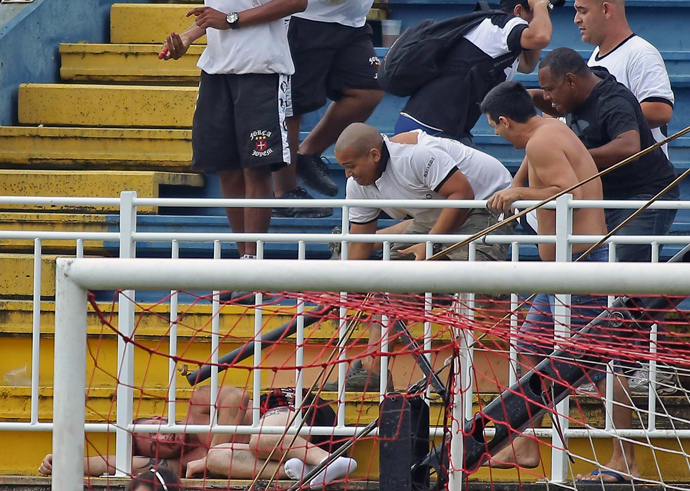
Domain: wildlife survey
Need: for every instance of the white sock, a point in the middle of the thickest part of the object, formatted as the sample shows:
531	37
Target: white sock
339	468
296	469
248	256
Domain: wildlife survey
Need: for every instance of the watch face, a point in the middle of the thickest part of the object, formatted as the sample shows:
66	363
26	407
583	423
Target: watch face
232	18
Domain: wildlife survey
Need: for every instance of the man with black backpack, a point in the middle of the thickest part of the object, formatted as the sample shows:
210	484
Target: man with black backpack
464	58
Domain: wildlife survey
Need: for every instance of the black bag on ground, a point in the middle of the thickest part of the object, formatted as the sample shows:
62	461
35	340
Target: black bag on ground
414	59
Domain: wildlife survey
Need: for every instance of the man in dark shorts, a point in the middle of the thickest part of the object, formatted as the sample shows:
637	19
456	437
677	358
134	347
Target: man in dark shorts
239	131
334	57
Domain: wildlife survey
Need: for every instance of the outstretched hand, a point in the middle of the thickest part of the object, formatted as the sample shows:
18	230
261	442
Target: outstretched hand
46	467
196	468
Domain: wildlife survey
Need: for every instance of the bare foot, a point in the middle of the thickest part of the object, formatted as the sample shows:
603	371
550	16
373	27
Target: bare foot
523	452
601	475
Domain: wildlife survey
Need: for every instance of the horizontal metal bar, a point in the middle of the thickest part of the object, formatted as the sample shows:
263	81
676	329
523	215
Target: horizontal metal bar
368	276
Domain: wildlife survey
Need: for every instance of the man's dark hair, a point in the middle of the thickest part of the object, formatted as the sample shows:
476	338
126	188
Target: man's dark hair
509	99
509	5
562	61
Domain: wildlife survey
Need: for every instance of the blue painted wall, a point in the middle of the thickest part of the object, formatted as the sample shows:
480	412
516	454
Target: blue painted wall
30	37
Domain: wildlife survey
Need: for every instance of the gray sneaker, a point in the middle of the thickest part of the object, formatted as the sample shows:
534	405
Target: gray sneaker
359	379
667	381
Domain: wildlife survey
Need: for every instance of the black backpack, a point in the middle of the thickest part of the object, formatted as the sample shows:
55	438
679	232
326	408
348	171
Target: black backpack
414	58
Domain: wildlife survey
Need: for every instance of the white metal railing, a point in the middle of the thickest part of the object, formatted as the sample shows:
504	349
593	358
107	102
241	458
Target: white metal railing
128	237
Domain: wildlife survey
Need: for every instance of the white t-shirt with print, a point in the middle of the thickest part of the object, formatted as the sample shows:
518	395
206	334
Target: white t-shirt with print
351	13
419	171
638	65
256	49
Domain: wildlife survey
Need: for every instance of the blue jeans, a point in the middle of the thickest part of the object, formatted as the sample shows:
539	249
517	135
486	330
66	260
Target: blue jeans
537	331
649	222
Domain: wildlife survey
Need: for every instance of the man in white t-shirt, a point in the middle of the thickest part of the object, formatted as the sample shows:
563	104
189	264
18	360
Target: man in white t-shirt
415	165
632	60
239	129
334	58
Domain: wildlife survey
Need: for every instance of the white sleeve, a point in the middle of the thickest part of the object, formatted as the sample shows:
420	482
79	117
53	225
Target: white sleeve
648	77
359	214
432	167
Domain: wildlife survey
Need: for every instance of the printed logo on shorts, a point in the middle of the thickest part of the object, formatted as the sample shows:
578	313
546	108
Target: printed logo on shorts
374	61
260	139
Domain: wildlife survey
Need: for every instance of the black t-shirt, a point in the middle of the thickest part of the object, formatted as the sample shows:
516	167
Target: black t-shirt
451	102
610	110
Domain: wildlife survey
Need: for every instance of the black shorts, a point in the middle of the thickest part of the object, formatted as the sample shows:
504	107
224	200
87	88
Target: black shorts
317	411
328	58
239	122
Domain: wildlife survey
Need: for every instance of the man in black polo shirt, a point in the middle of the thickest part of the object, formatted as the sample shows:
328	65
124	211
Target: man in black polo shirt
610	122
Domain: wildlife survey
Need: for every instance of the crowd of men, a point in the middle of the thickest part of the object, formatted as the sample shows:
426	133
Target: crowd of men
269	62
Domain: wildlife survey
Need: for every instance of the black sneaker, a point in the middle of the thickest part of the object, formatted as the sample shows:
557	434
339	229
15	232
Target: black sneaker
300	193
314	174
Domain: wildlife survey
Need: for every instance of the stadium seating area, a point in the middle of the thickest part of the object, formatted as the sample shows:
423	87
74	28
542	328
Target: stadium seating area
120	120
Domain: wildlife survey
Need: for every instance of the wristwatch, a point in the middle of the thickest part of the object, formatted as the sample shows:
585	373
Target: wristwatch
233	19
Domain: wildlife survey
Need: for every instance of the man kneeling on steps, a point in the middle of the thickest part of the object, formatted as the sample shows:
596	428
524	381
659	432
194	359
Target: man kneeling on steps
414	165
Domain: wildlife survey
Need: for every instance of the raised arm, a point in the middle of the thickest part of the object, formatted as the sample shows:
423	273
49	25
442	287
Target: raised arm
536	37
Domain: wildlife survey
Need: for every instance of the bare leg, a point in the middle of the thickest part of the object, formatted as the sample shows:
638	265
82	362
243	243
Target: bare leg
258	184
262	445
524	450
356	105
234	461
623	454
373	362
232	186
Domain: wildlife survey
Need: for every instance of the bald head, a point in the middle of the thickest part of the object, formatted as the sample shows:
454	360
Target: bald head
360	138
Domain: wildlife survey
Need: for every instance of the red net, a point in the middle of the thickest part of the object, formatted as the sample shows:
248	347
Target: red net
502	394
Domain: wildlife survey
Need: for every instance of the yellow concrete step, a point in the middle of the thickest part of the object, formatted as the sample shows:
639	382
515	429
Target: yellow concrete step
88	184
17	275
127	63
24	147
148	23
58	222
194	343
111	106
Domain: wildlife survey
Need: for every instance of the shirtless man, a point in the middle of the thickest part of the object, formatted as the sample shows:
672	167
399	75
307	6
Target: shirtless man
230	455
555	159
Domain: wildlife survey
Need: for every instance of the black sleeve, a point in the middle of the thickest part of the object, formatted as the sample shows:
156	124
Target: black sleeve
514	38
617	115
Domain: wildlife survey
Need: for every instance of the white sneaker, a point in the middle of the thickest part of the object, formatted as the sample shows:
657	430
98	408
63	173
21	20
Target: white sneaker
666	380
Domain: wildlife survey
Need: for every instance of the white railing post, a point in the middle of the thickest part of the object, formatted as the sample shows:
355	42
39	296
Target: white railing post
561	321
36	330
69	392
125	350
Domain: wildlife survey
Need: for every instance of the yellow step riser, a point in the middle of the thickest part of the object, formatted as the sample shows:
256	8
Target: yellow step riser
57	222
151	363
95	148
127	63
109	106
101	184
133	23
17	275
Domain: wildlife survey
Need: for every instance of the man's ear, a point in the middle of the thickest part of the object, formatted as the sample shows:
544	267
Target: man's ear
570	80
375	155
502	120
